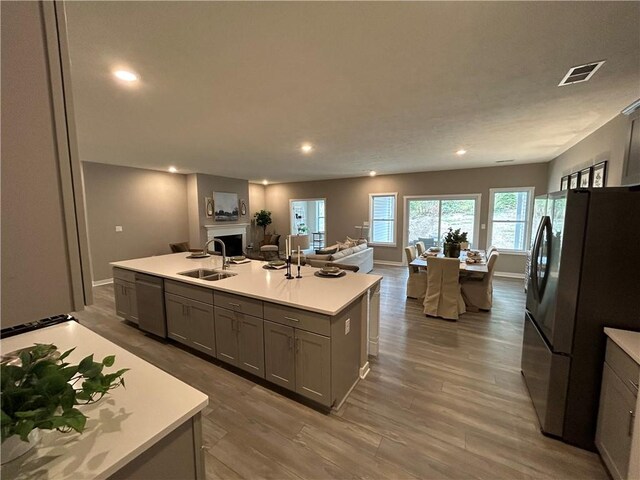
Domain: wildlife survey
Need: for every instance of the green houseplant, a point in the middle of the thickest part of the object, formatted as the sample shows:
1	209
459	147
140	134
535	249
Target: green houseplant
452	240
263	219
40	391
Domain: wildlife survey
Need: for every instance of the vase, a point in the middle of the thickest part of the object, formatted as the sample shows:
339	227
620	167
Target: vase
452	250
464	245
13	447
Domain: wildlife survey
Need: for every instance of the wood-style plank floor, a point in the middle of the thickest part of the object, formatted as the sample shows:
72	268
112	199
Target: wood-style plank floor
443	400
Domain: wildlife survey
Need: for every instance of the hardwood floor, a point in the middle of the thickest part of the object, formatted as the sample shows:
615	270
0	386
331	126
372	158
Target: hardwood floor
443	400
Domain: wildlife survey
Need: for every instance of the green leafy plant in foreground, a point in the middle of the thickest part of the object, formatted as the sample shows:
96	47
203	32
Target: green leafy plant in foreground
43	391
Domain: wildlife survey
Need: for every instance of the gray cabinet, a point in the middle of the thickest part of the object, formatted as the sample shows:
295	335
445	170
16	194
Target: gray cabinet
240	340
617	410
191	323
313	366
279	357
124	288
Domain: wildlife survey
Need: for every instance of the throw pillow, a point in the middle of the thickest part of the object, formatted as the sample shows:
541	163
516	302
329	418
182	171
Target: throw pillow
326	251
343	245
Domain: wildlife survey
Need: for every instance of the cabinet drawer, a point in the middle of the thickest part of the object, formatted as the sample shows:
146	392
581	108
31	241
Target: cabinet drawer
237	303
123	274
193	292
623	365
302	319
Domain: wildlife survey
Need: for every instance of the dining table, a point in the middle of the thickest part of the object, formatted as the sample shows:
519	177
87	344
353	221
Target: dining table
464	266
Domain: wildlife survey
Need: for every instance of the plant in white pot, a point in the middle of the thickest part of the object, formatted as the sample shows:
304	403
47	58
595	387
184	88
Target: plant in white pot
39	391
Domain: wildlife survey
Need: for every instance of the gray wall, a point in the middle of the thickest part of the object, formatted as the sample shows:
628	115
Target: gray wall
37	261
258	202
151	207
348	200
606	143
205	185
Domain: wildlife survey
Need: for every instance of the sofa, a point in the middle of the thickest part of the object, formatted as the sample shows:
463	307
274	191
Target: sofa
360	256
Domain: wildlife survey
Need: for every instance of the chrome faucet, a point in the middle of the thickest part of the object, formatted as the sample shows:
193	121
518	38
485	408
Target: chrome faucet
205	251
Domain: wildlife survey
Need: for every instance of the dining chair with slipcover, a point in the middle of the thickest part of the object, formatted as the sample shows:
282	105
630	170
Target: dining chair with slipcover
443	298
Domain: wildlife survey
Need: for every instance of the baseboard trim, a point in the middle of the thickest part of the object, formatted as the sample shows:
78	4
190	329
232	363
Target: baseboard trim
344	399
373	347
364	370
106	281
387	262
509	275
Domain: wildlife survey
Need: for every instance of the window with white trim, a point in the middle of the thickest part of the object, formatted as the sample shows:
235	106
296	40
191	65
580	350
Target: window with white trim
382	218
510	212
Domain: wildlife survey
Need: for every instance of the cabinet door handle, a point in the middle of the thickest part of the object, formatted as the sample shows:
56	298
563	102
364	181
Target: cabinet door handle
292	319
631	417
297	344
290	343
634	385
234	304
233	325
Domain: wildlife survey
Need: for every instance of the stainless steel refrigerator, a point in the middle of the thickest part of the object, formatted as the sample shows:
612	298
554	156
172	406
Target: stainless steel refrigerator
584	275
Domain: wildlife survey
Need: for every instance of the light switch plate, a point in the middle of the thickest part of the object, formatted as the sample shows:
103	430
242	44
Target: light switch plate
483	226
347	326
118	228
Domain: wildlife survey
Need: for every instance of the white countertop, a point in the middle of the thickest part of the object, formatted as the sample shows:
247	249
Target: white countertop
627	340
123	424
323	295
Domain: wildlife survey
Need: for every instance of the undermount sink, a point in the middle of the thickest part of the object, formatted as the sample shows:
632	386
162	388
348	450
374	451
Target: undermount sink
207	274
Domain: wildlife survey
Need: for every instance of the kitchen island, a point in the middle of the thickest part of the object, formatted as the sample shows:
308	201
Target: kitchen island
309	335
150	429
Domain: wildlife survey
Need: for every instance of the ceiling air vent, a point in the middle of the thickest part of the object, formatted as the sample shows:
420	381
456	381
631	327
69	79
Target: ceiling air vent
581	73
505	161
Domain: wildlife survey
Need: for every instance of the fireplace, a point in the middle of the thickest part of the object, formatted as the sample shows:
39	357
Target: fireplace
233	235
232	243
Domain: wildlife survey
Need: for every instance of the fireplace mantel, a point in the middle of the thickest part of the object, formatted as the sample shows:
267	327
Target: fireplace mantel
219	229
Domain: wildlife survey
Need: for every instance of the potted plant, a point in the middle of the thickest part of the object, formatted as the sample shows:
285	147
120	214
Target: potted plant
40	392
263	219
452	240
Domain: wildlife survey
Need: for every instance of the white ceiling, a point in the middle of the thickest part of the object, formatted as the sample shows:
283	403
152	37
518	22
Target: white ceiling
234	89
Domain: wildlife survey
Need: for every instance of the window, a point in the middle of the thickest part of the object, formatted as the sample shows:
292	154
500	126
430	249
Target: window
428	218
382	218
510	218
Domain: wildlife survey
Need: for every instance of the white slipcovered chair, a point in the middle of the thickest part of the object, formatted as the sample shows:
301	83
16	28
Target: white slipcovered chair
420	248
478	293
490	250
443	298
417	281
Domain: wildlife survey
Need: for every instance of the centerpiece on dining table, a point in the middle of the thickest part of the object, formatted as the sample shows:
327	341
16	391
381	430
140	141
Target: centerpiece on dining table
452	242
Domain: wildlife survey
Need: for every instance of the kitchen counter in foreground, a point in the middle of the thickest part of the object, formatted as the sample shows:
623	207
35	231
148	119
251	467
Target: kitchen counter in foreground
322	295
128	422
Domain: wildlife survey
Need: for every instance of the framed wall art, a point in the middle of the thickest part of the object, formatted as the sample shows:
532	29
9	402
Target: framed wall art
225	206
564	183
585	177
573	180
599	174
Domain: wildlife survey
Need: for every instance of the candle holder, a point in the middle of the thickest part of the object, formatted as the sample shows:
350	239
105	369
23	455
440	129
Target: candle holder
288	275
299	275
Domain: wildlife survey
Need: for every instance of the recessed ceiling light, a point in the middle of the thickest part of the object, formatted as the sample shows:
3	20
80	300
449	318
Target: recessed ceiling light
125	75
462	151
173	169
372	173
306	147
265	182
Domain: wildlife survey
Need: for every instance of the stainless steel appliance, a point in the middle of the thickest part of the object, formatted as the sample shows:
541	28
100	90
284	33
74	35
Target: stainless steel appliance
584	275
150	300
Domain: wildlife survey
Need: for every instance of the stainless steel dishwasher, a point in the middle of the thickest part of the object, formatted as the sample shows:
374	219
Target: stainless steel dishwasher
151	314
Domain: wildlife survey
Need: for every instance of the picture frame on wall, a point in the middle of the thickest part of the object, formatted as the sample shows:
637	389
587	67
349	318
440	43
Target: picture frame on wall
226	207
564	183
208	207
585	177
573	180
599	175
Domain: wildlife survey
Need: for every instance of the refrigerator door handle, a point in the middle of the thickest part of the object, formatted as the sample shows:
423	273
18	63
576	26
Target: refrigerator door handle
546	221
534	259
